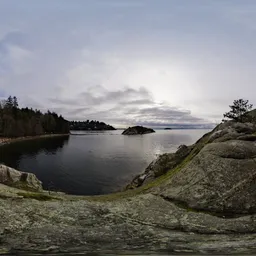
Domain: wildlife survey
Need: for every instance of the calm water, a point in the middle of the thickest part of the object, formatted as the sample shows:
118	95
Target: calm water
91	163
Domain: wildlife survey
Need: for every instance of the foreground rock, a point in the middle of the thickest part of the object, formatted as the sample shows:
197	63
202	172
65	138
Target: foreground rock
14	178
137	130
140	223
203	202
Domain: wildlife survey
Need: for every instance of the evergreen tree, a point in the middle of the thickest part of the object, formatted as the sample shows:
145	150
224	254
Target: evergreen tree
15	102
239	110
16	122
9	102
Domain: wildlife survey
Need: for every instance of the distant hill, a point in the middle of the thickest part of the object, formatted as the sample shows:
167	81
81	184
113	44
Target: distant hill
90	126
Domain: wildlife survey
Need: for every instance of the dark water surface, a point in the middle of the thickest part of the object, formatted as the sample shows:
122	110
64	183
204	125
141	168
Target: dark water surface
92	163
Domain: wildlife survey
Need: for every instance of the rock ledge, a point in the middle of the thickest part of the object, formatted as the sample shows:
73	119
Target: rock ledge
24	180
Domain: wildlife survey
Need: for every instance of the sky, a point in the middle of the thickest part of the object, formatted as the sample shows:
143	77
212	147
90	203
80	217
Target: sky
125	62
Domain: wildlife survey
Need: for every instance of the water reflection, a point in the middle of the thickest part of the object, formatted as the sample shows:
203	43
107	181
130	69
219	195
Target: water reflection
12	154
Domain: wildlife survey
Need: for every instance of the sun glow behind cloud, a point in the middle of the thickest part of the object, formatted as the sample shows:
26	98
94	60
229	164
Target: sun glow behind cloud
90	59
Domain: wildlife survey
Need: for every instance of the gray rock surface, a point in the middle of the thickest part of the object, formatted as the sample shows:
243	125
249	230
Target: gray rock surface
221	178
231	130
139	223
203	204
14	178
223	132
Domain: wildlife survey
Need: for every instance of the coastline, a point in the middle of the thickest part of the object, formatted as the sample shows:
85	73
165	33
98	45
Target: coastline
151	217
6	140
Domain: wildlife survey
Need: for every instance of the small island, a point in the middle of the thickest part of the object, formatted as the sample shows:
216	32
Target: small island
167	128
137	130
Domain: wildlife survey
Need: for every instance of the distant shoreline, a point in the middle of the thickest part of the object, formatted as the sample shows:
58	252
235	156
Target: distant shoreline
6	140
122	129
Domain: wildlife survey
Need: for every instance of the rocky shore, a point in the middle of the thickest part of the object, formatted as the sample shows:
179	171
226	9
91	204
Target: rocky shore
6	140
200	199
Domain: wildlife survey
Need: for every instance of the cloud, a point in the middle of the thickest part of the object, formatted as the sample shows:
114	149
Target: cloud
125	107
99	96
2	94
241	15
13	53
136	102
120	4
136	61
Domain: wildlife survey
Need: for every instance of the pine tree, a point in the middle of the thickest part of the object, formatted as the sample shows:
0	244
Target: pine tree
9	102
16	122
15	102
239	110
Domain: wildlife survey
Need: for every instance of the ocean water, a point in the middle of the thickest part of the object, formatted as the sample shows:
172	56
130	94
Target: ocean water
92	163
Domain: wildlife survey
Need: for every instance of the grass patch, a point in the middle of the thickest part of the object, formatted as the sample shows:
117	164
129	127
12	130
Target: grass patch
23	186
37	196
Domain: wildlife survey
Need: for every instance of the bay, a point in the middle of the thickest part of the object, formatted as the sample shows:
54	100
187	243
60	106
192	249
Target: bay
92	163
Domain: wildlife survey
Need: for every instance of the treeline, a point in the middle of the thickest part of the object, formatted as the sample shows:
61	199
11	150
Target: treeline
18	122
90	126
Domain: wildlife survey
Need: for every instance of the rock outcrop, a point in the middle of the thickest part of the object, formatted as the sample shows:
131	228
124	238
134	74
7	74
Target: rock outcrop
220	179
137	130
14	178
203	202
160	166
222	133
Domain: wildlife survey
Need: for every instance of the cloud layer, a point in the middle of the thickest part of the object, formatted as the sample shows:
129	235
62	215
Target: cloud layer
129	62
124	107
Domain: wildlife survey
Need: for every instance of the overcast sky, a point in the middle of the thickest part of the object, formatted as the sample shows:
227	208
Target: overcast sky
154	62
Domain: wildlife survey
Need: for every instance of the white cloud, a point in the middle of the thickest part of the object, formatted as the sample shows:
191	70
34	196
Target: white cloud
122	107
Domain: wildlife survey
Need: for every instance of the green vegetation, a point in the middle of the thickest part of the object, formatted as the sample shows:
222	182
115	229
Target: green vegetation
239	111
37	196
21	185
20	122
90	125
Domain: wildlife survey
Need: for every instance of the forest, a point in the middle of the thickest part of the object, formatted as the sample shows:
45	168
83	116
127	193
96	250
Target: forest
90	125
19	122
